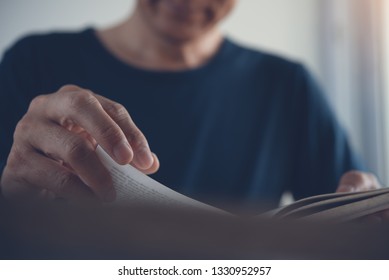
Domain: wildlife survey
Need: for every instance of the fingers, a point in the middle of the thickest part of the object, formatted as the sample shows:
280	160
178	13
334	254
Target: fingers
82	107
143	158
50	177
153	168
78	152
358	181
59	135
106	121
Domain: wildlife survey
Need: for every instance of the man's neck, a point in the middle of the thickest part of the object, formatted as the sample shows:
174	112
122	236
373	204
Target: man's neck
134	42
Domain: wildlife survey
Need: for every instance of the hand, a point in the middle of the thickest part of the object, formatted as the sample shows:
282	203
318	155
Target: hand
54	148
355	181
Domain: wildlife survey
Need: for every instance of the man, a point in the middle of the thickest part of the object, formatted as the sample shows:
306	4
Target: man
228	123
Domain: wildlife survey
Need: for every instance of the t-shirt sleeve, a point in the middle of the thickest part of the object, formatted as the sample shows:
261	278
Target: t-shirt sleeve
17	86
324	153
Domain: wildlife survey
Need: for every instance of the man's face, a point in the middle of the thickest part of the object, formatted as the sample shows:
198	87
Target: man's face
184	20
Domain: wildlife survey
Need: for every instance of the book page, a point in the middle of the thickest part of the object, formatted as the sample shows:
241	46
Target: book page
338	206
354	210
135	188
325	201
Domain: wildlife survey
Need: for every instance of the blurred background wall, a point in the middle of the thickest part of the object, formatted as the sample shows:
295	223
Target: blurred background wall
343	42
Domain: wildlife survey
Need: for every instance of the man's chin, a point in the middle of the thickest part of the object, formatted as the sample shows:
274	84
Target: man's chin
180	35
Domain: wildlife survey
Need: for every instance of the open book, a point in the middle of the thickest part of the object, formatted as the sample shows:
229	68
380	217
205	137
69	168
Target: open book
135	188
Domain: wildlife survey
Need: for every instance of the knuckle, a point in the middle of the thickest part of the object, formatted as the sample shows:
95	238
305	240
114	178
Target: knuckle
111	133
117	111
37	102
69	87
77	149
81	99
138	139
22	128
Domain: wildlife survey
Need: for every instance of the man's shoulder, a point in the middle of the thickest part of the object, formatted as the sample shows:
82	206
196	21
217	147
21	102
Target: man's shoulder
262	58
47	42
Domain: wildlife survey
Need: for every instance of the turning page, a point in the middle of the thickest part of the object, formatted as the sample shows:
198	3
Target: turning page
135	188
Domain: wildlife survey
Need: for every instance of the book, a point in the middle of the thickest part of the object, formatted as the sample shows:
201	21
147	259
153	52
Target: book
135	188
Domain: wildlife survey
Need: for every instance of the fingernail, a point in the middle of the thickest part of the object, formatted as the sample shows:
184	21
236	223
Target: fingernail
143	158
123	153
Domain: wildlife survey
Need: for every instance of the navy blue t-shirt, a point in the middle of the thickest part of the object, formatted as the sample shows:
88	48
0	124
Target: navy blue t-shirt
244	127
